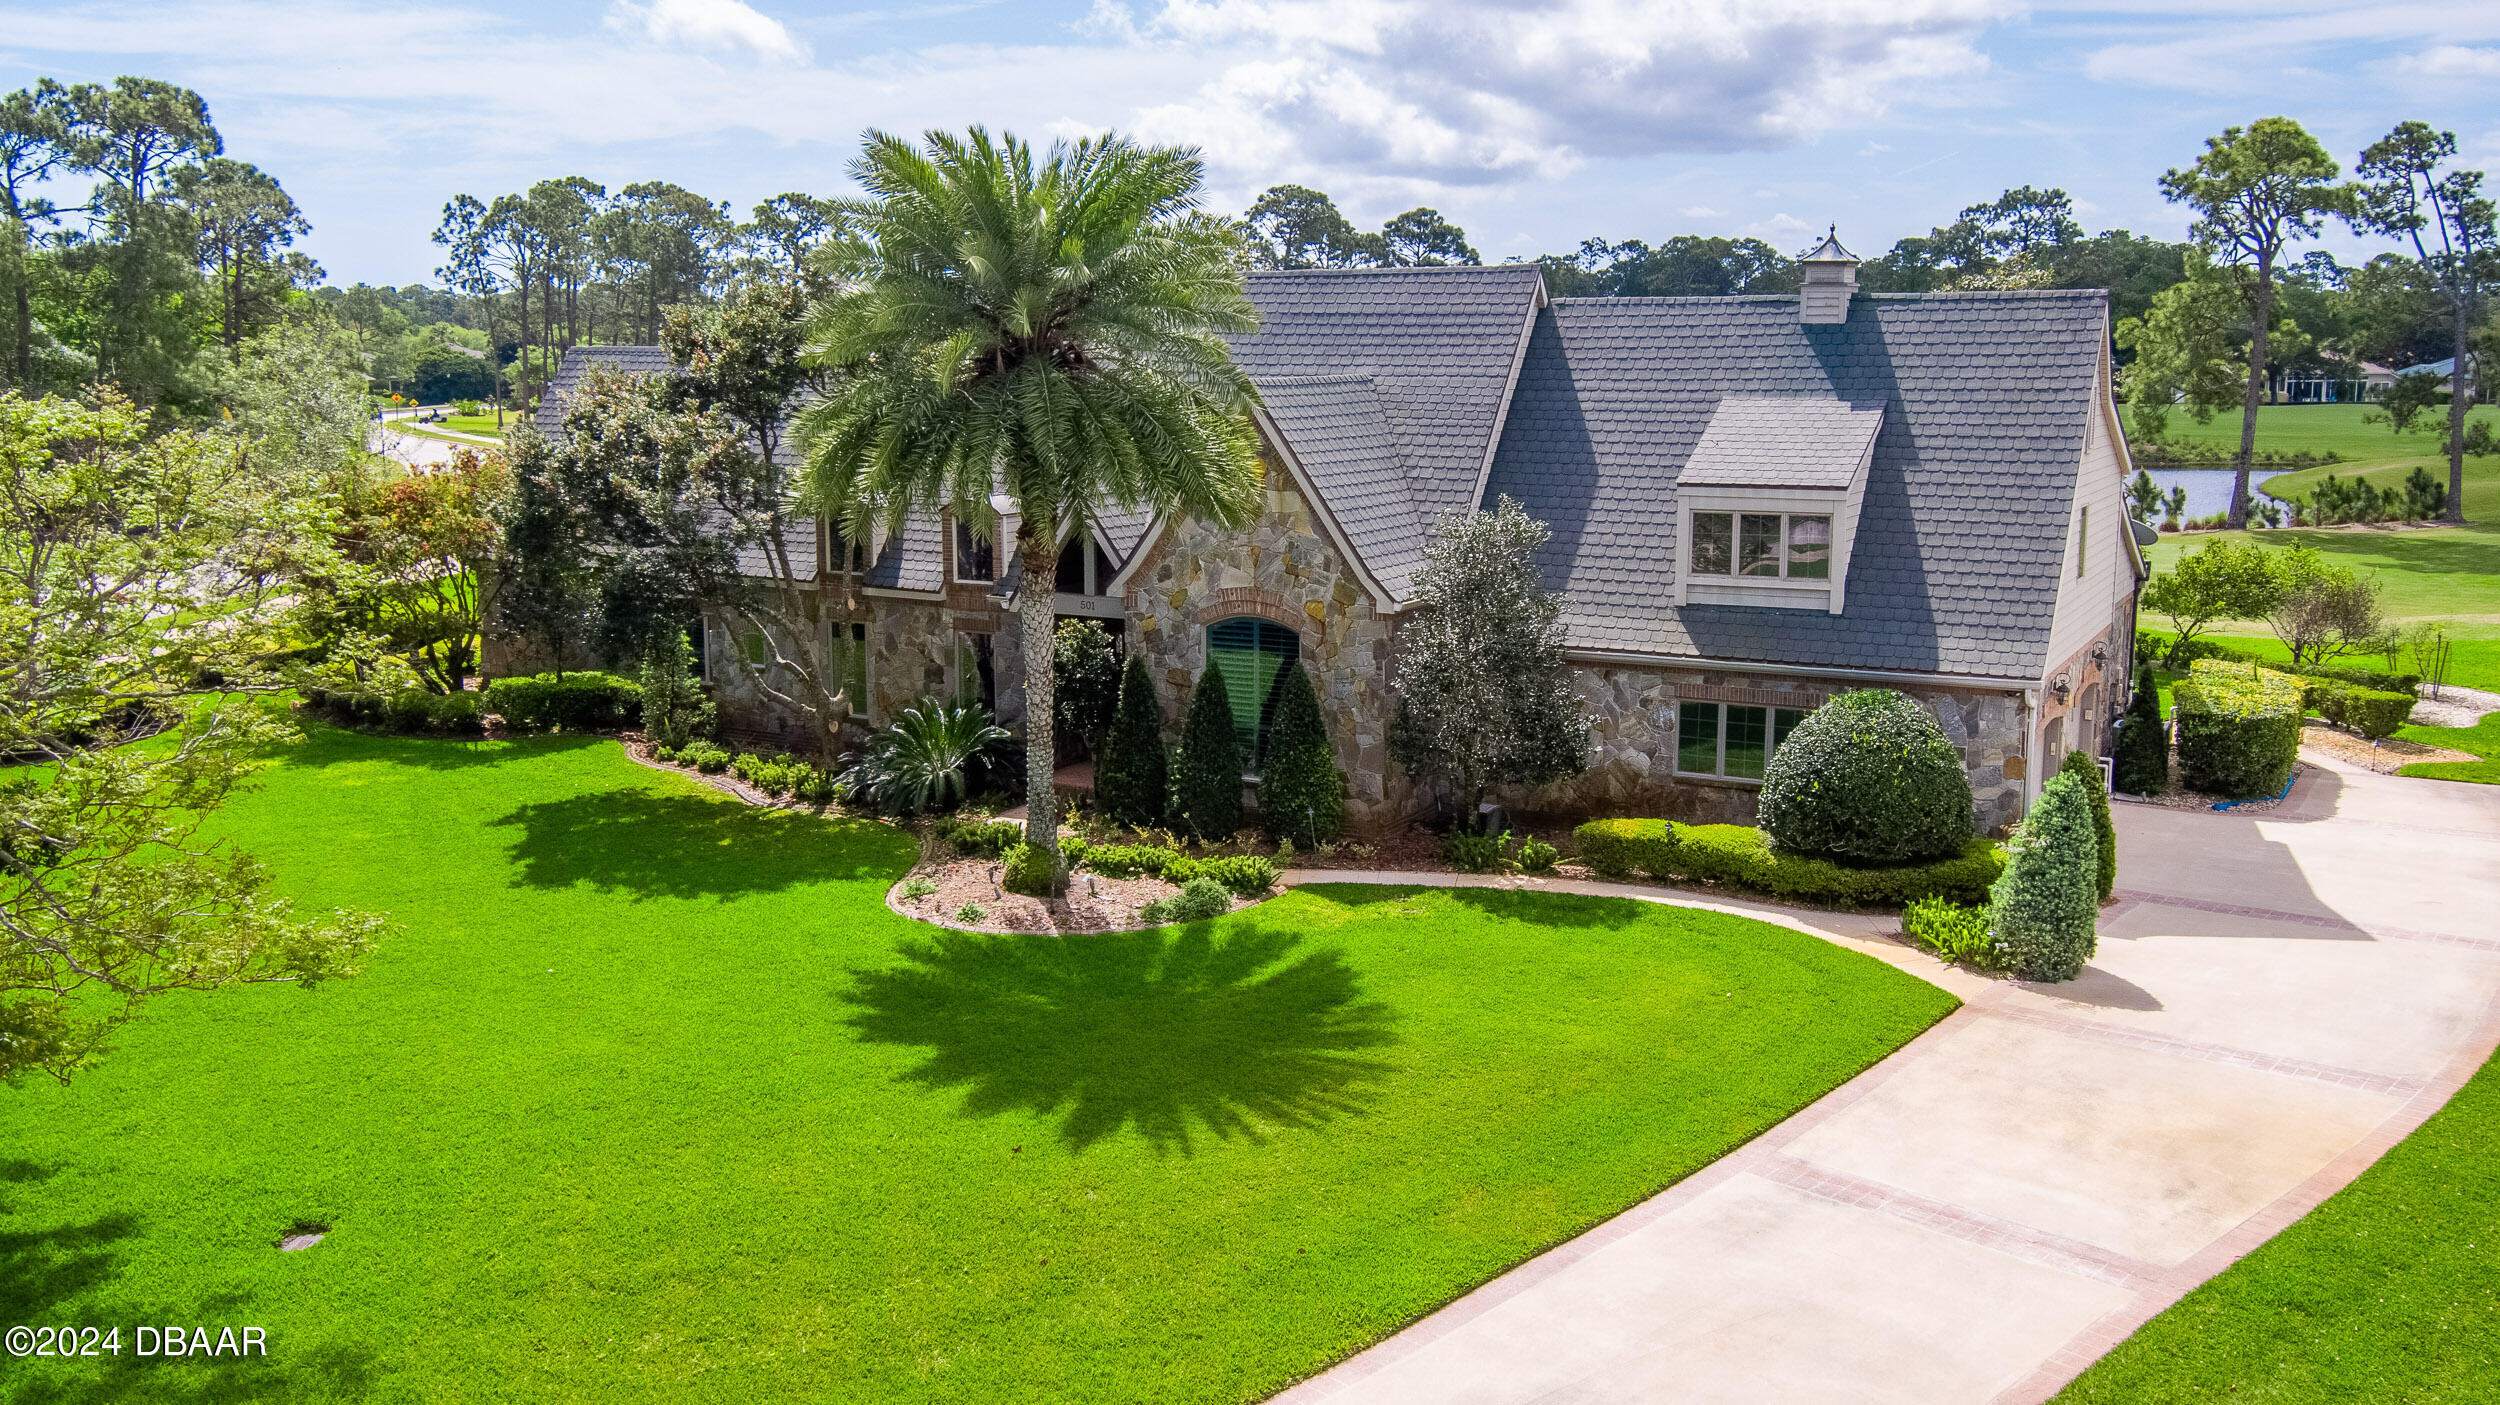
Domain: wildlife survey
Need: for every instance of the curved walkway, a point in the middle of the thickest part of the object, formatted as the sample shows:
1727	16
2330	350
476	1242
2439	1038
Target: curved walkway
2278	999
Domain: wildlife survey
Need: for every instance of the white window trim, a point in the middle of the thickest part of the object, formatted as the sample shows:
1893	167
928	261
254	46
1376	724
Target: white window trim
1770	739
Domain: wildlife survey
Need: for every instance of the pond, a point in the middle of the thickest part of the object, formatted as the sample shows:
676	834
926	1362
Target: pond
2208	489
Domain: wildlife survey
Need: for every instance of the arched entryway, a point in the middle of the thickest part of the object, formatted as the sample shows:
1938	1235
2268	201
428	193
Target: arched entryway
1251	654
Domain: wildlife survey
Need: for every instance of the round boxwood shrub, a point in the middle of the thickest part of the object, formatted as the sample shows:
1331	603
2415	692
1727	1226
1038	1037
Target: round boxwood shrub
1869	777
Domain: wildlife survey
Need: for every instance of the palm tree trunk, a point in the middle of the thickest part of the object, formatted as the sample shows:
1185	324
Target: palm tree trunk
1036	606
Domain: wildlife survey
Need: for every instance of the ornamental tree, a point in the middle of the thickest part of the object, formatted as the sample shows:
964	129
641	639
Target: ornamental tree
1301	791
2228	578
1484	696
146	584
1132	776
2042	911
1206	776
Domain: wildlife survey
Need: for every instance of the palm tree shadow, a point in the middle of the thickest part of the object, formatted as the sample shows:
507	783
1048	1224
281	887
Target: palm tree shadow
1211	1027
687	846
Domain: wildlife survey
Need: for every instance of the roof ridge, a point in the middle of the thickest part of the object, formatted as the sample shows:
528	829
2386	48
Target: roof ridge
1332	378
1937	294
1482	268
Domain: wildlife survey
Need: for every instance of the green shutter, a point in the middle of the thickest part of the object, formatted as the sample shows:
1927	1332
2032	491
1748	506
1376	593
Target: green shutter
1250	654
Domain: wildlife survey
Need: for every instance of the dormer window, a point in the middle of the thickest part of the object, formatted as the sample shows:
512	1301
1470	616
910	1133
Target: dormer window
1768	501
1763	545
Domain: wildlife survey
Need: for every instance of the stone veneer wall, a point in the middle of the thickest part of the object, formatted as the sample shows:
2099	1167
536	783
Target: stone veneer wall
1632	753
1283	569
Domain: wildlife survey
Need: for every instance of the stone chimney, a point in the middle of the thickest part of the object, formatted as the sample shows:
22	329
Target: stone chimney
1831	278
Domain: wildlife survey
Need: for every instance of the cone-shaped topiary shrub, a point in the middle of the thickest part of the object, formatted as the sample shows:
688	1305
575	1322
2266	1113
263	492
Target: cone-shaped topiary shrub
2087	773
1301	791
1132	776
1206	776
2143	744
1868	776
2042	910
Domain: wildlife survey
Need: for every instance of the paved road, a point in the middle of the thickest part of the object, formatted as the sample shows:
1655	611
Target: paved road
2277	1000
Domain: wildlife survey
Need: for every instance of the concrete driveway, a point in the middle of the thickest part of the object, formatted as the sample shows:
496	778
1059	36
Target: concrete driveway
2278	999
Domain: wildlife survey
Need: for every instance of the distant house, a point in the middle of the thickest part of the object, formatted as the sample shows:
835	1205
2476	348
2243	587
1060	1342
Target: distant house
1757	502
2442	370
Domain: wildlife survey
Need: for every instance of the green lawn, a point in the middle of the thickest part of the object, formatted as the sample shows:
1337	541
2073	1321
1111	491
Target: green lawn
2386	1292
2450	573
648	1097
2482	740
2335	429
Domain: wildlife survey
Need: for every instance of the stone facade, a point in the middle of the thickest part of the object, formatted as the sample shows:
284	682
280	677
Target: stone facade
1283	569
1632	712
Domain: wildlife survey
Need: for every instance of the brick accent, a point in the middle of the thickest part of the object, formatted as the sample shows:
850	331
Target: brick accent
1266	605
1751	697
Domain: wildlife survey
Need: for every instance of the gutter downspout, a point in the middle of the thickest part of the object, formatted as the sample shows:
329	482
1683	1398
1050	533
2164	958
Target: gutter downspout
2031	748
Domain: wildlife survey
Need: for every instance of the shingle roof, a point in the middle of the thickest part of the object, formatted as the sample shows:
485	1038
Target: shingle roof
1438	344
632	360
1782	441
1339	434
1963	524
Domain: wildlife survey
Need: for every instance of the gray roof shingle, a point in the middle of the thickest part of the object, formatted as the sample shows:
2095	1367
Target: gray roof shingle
1955	568
1782	441
1438	344
1340	435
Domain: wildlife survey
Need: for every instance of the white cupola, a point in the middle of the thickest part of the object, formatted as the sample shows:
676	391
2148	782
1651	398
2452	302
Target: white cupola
1831	278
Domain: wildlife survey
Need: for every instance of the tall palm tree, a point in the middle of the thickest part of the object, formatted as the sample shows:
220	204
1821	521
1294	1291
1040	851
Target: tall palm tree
1045	333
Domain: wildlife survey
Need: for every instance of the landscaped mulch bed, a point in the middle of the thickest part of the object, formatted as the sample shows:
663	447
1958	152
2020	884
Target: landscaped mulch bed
2383	758
2179	797
1093	903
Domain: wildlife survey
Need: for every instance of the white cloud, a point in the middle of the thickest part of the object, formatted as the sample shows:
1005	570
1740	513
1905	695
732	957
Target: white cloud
714	26
1472	91
1700	212
2457	61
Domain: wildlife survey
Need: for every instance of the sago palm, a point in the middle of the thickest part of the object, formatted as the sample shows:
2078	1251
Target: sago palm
1049	329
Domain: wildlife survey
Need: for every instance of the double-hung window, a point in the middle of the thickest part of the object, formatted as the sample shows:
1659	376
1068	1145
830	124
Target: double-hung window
846	656
1733	740
1763	545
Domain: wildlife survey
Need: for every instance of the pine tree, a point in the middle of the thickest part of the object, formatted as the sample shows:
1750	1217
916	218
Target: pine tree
674	708
2143	748
1132	776
1301	791
1206	776
2042	909
2087	772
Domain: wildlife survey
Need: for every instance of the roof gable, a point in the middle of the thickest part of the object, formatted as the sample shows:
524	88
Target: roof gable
1955	570
1439	344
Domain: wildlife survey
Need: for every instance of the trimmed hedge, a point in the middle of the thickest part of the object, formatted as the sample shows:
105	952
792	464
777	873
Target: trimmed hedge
1246	874
1869	776
1127	860
1618	849
411	710
2367	711
2239	728
1741	856
578	700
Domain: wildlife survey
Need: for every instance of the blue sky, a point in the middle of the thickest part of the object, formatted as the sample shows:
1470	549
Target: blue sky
1533	125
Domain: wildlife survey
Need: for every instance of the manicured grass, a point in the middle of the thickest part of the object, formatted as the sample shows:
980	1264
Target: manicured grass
2338	429
648	1097
2447	573
2483	740
2386	1292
